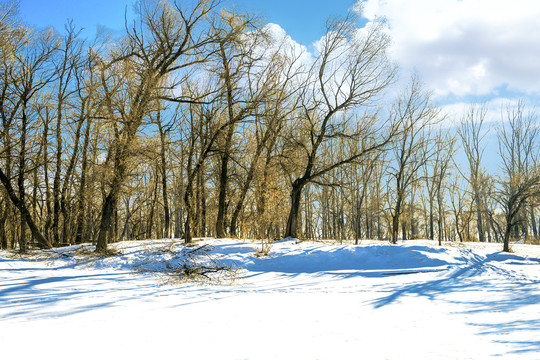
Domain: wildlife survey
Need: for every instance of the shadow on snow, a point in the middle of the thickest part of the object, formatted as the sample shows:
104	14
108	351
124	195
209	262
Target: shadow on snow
27	296
502	290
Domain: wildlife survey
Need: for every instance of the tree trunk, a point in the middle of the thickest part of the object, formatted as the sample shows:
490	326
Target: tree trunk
125	229
42	242
296	196
431	225
479	219
440	218
56	181
508	231
7	207
150	220
3	218
202	199
533	223
166	210
395	220
107	212
395	228
163	167
188	195
20	180
82	186
222	196
109	204
240	204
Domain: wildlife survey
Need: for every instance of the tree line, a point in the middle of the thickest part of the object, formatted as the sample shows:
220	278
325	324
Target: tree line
202	121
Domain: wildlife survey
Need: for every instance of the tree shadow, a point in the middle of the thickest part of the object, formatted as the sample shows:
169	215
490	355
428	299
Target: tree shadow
364	261
503	290
32	294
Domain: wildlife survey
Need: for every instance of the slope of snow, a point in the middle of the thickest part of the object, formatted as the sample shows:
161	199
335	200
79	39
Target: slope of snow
304	301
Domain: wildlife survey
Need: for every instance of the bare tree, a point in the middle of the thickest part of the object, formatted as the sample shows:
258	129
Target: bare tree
202	128
519	147
67	83
414	112
167	40
164	129
458	201
436	173
471	134
27	70
237	38
349	71
272	87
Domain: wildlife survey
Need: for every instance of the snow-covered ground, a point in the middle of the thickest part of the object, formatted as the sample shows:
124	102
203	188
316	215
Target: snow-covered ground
304	301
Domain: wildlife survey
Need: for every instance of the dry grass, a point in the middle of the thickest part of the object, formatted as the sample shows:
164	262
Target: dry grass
78	255
266	247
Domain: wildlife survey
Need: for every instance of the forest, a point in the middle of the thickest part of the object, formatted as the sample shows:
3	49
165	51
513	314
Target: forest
202	121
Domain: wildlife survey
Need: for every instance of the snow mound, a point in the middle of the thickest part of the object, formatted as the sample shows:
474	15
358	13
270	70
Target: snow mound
287	256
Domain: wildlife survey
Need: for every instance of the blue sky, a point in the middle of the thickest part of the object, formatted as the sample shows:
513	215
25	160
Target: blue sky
464	50
87	14
303	20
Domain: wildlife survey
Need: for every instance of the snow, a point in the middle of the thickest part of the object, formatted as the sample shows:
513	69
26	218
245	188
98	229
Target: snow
306	300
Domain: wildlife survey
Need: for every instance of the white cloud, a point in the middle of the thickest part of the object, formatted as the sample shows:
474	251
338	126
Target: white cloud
284	43
496	111
465	47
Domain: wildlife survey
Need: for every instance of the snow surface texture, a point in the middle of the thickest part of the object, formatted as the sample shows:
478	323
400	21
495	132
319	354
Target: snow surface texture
304	301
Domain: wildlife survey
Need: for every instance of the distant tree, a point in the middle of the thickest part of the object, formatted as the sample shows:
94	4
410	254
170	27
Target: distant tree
458	201
519	147
439	164
471	133
411	148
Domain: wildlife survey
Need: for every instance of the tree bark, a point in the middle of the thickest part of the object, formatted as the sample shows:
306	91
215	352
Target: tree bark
479	220
163	167
395	228
20	179
82	186
533	222
223	181
107	212
56	181
150	222
395	219
507	232
292	221
110	202
431	221
243	194
188	196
